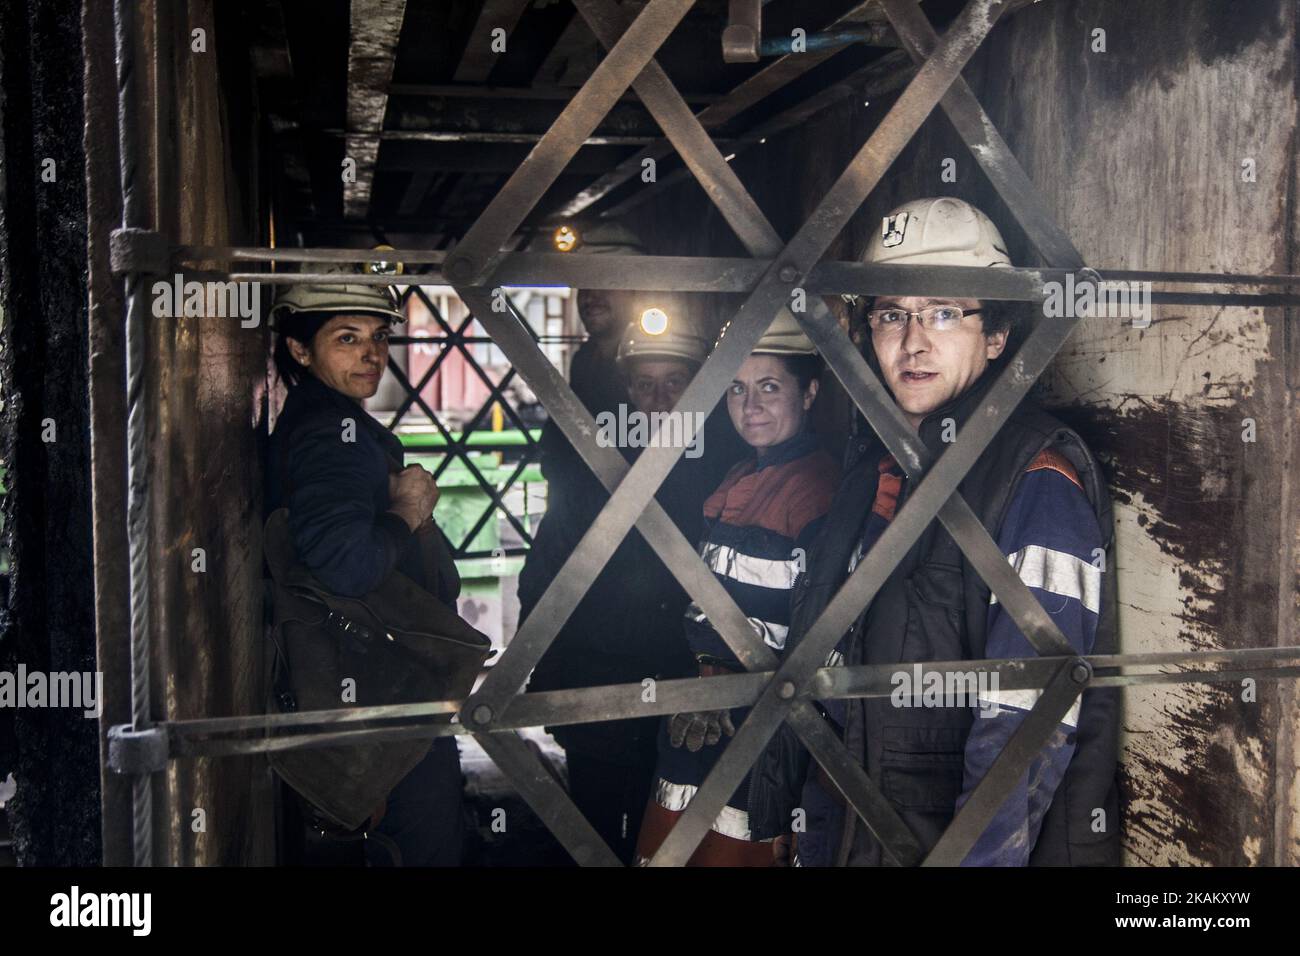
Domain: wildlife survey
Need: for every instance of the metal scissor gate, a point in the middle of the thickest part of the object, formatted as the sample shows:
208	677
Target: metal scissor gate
778	690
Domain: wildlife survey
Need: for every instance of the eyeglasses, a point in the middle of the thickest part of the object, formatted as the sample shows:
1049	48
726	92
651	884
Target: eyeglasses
938	318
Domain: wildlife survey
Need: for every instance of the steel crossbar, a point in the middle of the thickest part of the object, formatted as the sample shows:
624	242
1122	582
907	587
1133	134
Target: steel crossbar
225	736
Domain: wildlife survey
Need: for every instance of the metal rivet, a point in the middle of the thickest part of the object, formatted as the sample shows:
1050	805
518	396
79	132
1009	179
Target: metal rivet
788	273
462	267
1080	673
786	690
482	714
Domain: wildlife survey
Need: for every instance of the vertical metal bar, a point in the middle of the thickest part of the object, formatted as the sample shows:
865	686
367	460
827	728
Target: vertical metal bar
743	31
135	214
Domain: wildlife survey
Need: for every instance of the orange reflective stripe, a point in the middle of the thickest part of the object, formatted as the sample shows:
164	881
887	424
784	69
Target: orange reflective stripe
1055	461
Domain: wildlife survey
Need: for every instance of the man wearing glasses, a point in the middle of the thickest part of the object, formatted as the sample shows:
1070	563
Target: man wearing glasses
1039	491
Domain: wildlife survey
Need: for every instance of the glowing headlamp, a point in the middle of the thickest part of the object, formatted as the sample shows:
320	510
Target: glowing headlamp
654	321
383	267
565	239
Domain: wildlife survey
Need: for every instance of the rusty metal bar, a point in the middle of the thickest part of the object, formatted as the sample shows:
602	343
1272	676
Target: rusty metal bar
224	736
1007	285
374	27
544	794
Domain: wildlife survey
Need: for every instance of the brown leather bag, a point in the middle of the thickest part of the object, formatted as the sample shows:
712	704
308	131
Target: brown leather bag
398	643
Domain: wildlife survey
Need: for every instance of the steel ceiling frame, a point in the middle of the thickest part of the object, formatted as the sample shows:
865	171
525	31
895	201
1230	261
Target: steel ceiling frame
780	691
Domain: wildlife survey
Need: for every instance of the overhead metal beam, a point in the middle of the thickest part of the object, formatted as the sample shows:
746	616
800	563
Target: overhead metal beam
572	58
478	57
493	94
887	74
273	66
754	90
492	136
375	28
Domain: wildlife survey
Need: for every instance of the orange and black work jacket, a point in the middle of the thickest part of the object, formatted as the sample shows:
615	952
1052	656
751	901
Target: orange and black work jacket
758	526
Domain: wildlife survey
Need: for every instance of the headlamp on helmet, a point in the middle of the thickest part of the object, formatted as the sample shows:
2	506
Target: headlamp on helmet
654	321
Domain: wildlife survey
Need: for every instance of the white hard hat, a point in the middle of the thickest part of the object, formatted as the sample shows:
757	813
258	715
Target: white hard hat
940	231
785	336
349	299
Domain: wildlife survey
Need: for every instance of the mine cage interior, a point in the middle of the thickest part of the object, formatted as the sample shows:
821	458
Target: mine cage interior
254	141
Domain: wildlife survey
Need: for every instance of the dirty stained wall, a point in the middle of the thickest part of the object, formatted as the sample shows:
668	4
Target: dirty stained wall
1153	146
1138	152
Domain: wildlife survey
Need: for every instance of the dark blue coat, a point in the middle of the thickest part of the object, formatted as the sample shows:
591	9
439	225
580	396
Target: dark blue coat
336	491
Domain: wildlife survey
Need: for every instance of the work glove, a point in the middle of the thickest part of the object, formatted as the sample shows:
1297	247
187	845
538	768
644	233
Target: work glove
700	728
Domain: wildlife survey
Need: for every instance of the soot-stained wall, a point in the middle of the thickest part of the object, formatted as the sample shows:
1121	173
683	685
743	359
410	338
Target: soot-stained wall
48	623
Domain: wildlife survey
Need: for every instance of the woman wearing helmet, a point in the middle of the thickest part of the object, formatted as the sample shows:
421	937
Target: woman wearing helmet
356	515
756	524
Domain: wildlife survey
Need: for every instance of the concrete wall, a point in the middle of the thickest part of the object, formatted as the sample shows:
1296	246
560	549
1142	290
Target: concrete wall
1138	152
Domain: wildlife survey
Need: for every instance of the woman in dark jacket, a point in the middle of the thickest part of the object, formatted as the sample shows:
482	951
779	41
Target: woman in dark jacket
355	513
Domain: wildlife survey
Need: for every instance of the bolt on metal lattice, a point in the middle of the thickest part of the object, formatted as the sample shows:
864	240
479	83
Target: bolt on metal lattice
780	691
